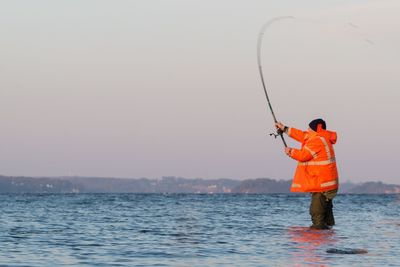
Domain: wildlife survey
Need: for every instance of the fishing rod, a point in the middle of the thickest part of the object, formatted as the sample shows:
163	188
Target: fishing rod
279	132
350	25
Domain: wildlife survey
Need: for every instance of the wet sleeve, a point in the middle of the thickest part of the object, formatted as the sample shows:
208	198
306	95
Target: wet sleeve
296	134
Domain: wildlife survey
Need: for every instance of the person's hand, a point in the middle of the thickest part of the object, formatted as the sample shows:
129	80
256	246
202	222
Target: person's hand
280	126
288	151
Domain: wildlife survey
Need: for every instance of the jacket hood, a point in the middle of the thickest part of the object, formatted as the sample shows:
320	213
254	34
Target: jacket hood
329	135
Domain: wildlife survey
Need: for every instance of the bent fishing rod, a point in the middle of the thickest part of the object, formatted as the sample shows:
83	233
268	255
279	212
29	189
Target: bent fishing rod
260	40
259	46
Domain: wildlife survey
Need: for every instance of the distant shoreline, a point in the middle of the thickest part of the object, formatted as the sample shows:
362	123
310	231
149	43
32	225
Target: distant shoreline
170	184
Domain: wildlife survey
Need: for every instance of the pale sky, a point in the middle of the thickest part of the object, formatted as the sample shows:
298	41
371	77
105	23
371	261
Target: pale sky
147	88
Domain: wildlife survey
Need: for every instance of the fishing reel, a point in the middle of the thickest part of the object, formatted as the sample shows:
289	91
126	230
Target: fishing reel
279	132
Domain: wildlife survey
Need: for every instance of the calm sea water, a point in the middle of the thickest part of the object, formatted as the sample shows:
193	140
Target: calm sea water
194	230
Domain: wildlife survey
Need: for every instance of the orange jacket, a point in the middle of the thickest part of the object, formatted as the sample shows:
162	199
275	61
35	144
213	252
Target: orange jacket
316	170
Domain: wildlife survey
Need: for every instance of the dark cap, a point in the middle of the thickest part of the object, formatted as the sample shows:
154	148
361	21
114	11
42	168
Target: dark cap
314	124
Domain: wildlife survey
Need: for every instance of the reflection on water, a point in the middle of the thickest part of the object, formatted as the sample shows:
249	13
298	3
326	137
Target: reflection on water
193	230
308	244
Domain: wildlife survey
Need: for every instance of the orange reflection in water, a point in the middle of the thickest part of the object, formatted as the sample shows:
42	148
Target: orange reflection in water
307	245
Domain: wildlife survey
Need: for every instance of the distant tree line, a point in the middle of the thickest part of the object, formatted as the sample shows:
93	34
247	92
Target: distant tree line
55	185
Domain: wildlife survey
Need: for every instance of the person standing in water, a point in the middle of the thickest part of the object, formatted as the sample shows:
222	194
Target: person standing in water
316	171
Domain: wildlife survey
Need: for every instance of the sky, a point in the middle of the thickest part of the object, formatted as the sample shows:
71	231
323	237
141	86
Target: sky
152	88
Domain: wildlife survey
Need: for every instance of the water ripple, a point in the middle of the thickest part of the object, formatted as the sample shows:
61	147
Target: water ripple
193	230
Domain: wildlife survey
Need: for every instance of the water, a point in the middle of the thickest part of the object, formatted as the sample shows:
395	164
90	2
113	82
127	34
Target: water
194	230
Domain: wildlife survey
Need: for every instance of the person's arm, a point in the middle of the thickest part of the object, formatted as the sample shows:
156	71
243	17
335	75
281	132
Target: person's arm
294	133
306	153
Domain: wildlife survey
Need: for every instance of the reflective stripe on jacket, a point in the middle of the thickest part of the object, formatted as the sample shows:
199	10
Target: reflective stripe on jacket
316	170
